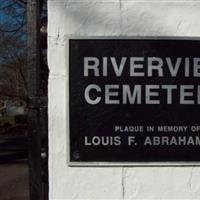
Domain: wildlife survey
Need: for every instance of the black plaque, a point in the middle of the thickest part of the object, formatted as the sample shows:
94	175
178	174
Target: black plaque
134	101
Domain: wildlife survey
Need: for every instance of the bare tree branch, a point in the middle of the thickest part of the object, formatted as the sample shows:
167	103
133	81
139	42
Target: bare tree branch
7	6
13	47
13	30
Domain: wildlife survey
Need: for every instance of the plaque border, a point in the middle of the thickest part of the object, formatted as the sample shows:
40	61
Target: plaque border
120	163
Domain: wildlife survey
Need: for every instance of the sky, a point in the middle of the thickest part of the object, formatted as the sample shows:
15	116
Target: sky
12	15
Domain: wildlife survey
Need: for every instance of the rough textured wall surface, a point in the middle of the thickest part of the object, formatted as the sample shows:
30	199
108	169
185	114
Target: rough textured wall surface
111	18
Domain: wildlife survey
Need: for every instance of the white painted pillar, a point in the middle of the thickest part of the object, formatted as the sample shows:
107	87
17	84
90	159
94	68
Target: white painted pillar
111	18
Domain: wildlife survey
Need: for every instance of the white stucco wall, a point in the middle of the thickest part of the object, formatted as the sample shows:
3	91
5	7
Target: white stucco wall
111	18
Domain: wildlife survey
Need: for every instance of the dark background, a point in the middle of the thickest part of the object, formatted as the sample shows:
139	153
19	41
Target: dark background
99	120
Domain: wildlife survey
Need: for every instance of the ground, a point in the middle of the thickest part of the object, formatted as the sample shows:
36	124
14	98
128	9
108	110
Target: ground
14	184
